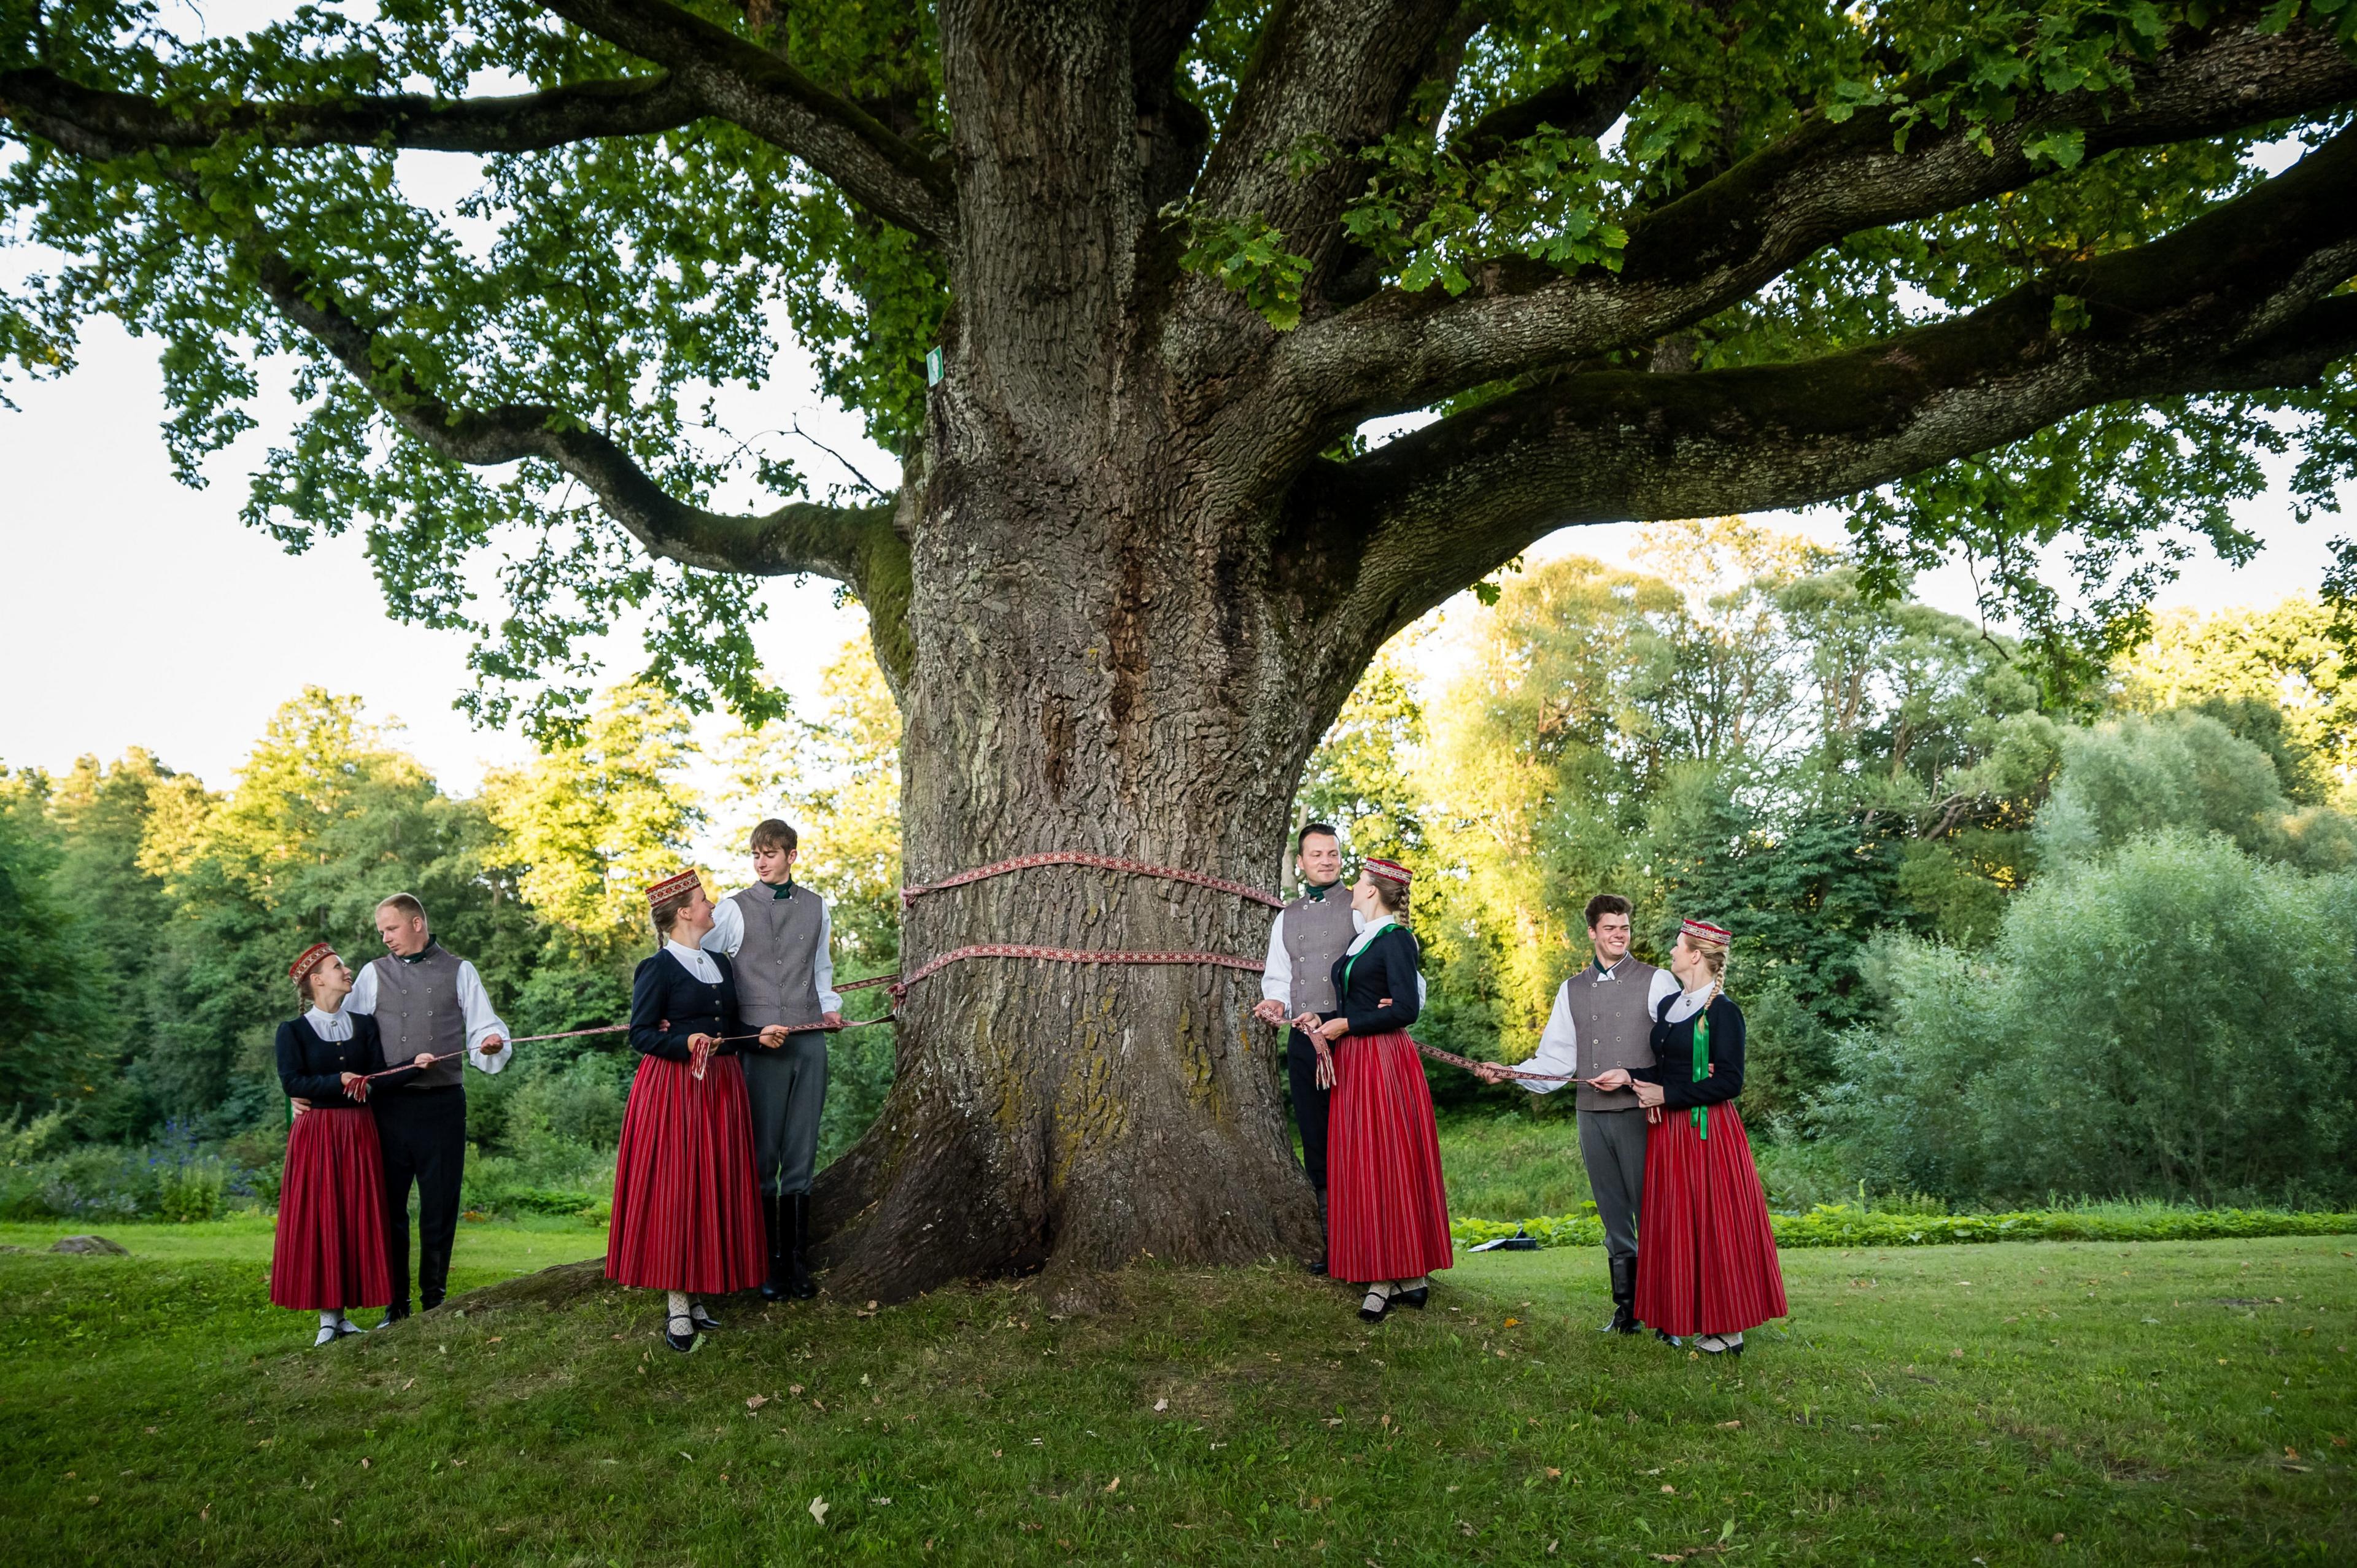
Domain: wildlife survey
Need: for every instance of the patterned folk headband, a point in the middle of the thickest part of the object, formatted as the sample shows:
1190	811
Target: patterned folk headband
312	958
672	888
1702	933
1388	870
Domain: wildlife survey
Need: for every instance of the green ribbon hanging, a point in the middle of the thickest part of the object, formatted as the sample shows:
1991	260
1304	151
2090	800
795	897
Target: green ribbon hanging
1701	1113
1352	963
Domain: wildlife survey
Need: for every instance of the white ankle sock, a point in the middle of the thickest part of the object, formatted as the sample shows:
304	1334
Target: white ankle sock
679	1304
330	1318
1421	1282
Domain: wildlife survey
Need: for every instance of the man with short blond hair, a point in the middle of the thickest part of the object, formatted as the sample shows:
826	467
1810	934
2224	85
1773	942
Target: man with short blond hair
426	1000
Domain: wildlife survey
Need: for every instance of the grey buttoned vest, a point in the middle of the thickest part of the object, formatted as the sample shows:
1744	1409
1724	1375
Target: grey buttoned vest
777	966
1315	932
417	1010
1615	1027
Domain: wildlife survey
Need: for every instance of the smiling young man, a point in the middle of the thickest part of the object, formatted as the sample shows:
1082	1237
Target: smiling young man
1310	933
425	999
779	937
1603	1018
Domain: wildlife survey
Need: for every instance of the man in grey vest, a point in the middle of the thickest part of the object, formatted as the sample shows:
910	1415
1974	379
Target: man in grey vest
779	938
1603	1018
425	999
1309	935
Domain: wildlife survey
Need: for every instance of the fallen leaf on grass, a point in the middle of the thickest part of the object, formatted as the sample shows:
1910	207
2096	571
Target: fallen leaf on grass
1113	1485
795	1389
364	1464
1160	1405
1728	1425
1667	1487
818	1509
756	1401
495	1339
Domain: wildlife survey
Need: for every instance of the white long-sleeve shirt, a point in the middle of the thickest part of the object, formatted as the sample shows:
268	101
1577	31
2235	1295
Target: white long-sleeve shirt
1559	1051
727	934
1276	975
474	1003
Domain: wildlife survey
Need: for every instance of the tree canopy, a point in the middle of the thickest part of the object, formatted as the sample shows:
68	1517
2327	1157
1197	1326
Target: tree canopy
2009	276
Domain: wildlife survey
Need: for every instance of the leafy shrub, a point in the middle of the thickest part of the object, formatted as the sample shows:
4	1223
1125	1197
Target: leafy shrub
2174	1020
1839	1225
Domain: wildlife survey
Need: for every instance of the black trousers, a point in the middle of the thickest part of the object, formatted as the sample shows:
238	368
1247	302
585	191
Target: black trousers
1309	1103
421	1133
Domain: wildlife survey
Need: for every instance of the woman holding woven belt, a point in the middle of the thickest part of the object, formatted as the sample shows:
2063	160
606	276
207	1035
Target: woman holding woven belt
1710	1257
1387	1212
329	1254
687	1213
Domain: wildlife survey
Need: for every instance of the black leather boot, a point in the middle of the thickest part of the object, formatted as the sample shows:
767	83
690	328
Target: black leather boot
1318	1264
1624	1297
798	1284
773	1224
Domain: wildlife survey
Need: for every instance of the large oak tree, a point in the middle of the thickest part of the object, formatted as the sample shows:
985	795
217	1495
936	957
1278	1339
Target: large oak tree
2002	275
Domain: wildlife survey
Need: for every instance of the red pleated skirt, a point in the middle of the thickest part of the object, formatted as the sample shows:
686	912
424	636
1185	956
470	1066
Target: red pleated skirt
687	1213
1387	1212
329	1249
1706	1257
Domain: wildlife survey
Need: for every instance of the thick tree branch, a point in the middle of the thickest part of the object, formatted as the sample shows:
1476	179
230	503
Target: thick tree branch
97	122
1725	240
744	83
1175	130
830	542
2241	300
1574	107
1330	77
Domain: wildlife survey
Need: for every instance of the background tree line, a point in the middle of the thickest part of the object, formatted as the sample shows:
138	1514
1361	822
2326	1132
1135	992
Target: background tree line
146	920
1996	939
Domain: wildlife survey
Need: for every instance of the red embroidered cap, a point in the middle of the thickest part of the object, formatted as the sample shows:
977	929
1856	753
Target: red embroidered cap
1389	870
672	888
312	958
1703	933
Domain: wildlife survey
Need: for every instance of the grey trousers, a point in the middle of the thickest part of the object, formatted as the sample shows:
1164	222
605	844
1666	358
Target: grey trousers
1612	1146
787	1088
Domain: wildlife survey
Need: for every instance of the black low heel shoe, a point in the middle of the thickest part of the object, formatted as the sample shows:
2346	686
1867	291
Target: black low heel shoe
704	1321
1417	1298
1668	1338
674	1338
1374	1313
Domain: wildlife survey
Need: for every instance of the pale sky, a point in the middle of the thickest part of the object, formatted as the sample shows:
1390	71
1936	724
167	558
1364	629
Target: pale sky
138	612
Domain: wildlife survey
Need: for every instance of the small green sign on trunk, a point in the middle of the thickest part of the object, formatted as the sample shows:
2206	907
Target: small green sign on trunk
935	367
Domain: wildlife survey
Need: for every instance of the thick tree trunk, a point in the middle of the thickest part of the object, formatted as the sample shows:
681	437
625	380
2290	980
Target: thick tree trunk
1089	675
1098	664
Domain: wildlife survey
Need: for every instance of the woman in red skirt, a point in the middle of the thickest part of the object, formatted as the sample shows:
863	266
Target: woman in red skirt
687	1216
329	1254
1387	1214
1710	1266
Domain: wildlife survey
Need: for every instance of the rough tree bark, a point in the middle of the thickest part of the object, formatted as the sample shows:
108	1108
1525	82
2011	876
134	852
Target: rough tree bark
1121	595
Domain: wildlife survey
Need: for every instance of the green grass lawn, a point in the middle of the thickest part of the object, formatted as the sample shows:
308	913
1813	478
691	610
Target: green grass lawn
2162	1402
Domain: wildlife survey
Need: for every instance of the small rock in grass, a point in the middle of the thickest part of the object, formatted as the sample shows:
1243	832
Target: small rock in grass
91	1244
